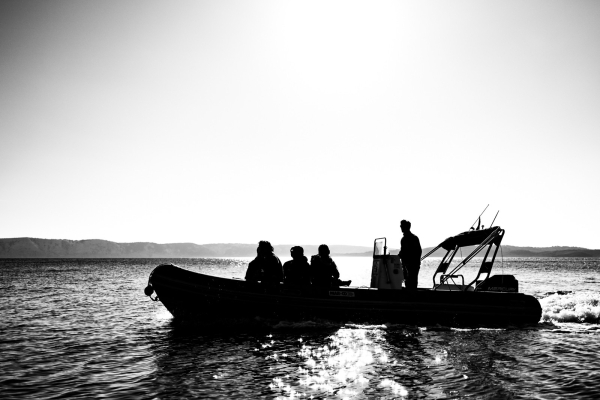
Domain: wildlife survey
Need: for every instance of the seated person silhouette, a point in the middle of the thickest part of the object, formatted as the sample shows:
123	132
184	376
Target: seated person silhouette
266	267
324	272
297	270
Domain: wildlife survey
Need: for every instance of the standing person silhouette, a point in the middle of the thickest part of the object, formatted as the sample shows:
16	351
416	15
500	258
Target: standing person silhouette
410	255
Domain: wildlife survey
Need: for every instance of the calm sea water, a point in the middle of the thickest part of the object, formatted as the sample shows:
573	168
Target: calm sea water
83	329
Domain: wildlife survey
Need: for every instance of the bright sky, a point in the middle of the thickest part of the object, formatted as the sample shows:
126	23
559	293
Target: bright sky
299	122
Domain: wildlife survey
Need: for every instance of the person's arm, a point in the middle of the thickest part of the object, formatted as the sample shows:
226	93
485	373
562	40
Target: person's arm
414	253
313	270
335	273
286	271
253	272
306	271
279	269
402	253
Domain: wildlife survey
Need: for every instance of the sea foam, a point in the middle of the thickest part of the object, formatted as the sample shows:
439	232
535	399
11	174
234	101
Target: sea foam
571	307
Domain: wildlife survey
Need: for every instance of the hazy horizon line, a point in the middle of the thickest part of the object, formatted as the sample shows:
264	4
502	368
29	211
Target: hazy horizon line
274	244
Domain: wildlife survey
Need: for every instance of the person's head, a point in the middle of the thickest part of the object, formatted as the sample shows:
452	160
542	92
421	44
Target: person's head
296	252
323	250
404	226
264	248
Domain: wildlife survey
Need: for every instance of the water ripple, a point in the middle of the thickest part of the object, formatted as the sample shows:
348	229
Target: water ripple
83	329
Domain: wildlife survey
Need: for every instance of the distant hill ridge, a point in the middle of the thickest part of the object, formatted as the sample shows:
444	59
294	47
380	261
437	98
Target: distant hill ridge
97	248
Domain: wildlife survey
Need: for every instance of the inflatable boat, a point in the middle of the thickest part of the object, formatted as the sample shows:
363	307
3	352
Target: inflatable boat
486	301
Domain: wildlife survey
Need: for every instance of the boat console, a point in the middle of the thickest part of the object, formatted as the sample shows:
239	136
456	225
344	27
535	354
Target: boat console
387	272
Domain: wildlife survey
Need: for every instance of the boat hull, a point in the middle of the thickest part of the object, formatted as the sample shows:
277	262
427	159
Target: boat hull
188	294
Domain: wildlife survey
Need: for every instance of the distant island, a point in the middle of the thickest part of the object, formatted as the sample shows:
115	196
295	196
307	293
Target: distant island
96	248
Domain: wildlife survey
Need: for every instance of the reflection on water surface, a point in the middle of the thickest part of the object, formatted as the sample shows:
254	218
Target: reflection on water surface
364	362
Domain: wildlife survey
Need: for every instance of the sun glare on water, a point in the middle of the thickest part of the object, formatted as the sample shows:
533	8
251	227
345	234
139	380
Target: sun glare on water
343	368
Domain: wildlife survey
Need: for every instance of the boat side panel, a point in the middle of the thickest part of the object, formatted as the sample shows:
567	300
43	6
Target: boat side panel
186	293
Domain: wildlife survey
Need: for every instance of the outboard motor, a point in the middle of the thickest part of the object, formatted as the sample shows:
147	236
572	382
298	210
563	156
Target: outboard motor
387	270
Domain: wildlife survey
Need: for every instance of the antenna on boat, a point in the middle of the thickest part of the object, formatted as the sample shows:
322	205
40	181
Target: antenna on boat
492	224
478	218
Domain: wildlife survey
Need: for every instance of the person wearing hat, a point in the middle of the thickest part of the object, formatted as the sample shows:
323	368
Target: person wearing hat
297	270
410	255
